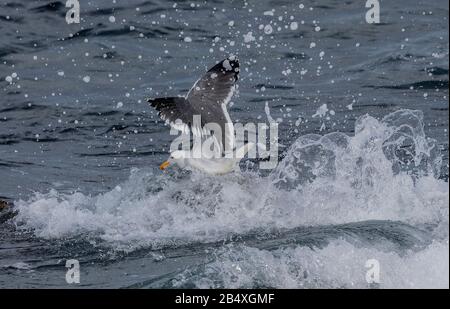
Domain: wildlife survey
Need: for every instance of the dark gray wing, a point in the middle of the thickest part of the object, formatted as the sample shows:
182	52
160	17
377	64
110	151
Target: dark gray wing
175	111
215	87
210	95
207	98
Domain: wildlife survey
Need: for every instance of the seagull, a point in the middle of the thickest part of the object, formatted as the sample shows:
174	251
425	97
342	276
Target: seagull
207	100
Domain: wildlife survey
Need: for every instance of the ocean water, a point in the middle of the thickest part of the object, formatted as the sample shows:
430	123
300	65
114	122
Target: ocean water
363	123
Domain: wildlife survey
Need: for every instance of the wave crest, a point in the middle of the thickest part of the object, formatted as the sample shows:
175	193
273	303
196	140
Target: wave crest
386	171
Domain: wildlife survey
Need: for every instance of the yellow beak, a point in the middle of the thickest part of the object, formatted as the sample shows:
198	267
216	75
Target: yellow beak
164	165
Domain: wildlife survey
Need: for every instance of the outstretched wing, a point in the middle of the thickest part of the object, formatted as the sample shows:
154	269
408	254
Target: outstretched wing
175	111
211	94
217	86
207	98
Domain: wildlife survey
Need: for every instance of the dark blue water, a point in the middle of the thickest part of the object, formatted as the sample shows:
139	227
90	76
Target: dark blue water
80	147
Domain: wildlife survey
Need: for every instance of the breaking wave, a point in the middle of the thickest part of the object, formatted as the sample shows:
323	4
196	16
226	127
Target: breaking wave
387	171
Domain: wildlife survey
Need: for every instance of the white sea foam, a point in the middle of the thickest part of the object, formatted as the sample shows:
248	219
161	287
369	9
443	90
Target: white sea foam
327	179
338	265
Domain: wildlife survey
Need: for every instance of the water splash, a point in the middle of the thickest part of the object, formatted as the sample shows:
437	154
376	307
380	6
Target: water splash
339	265
329	179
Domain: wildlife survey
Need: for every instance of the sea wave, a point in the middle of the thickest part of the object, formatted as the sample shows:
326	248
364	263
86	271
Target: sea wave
387	171
339	265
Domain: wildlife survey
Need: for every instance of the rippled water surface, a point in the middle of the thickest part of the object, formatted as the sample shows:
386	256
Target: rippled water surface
363	123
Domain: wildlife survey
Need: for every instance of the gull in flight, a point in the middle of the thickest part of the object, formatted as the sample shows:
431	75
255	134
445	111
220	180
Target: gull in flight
207	100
